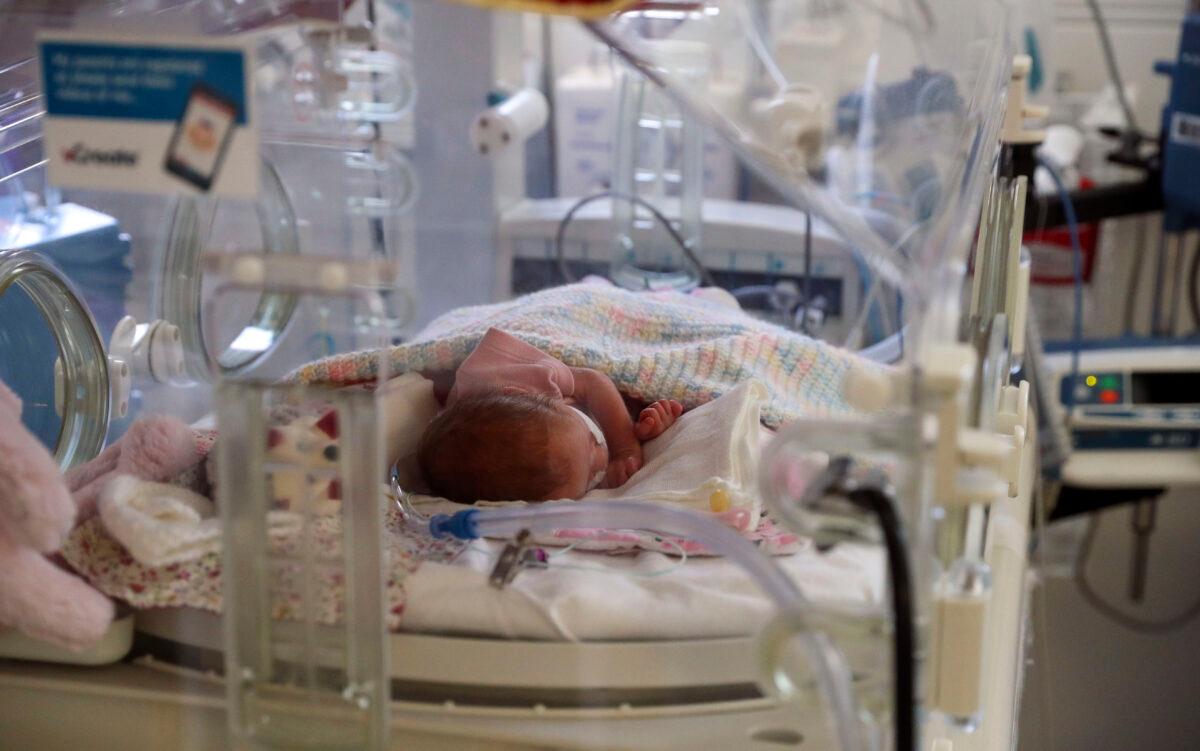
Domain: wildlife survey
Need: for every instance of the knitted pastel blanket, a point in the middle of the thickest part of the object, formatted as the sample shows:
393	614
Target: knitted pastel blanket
653	346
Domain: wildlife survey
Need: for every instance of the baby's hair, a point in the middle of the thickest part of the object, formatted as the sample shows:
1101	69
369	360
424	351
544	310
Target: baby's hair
493	446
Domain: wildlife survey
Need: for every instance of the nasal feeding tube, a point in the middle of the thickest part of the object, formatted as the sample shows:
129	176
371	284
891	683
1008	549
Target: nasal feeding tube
829	668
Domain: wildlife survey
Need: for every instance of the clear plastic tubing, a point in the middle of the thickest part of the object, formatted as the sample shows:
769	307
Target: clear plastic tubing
829	669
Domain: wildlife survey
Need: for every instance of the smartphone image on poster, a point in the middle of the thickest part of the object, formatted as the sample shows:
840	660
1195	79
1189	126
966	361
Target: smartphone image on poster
201	136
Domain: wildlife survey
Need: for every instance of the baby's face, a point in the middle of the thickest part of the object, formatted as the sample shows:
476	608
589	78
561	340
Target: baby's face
585	458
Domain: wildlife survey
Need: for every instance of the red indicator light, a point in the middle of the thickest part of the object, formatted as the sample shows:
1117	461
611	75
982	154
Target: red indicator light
1108	396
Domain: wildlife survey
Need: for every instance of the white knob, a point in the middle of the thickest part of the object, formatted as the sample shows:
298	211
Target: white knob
152	349
248	272
165	352
334	277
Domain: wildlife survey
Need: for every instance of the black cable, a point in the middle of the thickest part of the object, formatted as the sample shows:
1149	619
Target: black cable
1103	608
559	236
882	505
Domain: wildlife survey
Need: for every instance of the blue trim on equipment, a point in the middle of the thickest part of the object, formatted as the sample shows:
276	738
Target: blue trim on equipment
1121	342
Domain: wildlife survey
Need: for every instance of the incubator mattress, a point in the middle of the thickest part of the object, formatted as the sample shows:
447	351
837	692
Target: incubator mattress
442	587
592	597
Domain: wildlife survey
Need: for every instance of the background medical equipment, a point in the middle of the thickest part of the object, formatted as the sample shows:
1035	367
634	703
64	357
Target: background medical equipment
1119	483
887	157
1125	398
1133	415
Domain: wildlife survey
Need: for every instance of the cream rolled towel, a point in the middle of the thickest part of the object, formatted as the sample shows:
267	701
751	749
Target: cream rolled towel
162	524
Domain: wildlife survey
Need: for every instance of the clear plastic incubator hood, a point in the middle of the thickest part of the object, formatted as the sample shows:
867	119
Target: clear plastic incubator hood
879	118
244	247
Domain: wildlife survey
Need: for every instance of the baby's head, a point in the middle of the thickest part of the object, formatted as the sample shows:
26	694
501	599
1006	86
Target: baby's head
505	446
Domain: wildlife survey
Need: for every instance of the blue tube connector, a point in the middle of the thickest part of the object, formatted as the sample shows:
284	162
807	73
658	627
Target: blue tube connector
461	525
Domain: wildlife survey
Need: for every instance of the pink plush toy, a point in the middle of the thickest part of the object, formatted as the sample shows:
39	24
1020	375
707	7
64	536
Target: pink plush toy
36	513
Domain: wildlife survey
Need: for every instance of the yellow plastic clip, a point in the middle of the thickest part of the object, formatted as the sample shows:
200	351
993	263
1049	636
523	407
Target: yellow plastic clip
718	501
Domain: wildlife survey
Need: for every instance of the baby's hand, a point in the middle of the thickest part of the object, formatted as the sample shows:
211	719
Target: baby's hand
656	418
621	467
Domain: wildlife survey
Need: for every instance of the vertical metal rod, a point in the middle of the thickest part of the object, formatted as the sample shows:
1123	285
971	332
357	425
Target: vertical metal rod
1142	523
549	92
1160	271
1177	253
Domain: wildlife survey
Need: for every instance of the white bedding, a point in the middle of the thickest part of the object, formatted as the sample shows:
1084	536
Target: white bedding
703	598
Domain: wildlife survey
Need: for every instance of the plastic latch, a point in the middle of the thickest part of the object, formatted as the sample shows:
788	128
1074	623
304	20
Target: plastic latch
1013	129
1012	419
959	627
870	389
961	624
1019	315
154	349
995	454
165	352
119	384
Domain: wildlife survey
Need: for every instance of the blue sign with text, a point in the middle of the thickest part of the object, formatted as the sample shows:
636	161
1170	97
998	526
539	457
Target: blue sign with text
136	82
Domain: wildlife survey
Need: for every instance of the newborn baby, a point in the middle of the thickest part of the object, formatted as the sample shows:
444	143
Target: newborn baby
521	425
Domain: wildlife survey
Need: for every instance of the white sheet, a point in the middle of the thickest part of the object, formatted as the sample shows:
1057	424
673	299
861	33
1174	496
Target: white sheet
705	598
712	450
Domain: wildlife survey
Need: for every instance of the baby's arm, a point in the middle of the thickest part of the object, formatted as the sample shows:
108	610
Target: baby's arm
598	393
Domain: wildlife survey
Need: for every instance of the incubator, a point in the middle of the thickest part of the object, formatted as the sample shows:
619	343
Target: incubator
240	242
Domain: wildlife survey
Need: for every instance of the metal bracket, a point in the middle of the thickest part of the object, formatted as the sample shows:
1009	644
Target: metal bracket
516	555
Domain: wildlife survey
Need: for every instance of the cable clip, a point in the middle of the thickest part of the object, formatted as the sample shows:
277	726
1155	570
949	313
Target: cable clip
516	556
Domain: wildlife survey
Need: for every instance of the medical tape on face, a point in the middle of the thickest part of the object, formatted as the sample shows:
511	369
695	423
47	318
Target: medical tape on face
598	434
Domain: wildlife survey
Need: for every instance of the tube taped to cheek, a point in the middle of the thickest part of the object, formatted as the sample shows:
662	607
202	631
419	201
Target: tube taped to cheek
598	434
592	427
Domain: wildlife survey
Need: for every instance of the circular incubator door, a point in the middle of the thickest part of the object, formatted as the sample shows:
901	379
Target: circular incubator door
78	390
249	326
52	356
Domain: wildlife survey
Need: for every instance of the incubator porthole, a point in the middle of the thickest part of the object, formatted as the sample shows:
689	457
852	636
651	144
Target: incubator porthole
53	358
199	225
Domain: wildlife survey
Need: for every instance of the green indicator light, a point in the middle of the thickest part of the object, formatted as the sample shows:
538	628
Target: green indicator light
1111	382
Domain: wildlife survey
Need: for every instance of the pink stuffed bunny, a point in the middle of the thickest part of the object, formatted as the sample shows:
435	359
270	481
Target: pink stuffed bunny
36	513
